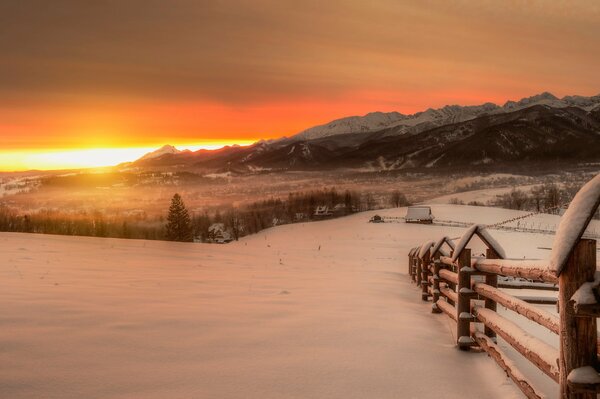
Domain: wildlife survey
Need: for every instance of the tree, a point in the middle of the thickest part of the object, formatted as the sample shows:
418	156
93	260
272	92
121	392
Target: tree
179	226
518	199
552	199
398	199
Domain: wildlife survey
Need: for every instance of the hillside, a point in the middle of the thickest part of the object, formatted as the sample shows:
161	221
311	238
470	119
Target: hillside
315	310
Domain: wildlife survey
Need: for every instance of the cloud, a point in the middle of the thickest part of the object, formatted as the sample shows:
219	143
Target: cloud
244	51
63	60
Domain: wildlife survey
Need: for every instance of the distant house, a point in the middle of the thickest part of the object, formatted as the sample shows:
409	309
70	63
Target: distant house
376	219
300	216
419	214
322	212
339	209
218	234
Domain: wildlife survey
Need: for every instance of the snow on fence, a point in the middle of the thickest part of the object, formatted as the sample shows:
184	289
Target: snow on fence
467	289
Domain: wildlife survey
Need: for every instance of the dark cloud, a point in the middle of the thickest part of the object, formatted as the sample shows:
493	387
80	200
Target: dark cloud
246	51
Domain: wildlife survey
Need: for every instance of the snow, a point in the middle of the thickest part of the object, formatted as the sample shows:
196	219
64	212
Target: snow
585	295
352	124
491	241
464	240
547	353
417	213
311	310
584	375
438	246
482	232
574	222
425	249
164	150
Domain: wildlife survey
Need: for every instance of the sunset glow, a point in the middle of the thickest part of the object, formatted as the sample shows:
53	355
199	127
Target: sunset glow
136	75
57	159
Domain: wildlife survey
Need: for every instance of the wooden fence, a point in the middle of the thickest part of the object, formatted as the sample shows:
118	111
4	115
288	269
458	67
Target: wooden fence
468	289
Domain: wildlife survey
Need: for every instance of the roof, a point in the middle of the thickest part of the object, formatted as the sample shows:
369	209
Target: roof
419	212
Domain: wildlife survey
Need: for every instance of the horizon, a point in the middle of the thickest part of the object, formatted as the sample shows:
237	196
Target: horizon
56	159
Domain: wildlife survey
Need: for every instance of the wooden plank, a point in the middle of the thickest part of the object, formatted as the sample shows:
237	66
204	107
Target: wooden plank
519	306
450	294
527	286
542	355
578	335
507	365
447	275
532	270
446	308
446	260
538	300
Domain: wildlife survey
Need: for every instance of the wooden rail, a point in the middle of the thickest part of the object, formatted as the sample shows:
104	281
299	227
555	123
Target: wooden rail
468	290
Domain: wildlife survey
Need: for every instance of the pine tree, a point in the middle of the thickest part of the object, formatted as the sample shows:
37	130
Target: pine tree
179	226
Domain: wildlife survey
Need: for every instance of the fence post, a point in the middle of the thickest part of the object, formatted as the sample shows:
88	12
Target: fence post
418	271
463	311
578	334
450	285
436	284
425	276
491	279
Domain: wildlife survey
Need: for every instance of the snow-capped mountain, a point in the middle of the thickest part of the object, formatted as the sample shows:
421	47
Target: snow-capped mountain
533	130
432	118
352	124
534	135
164	150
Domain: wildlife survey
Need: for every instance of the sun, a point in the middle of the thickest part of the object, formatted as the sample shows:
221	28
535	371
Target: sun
79	158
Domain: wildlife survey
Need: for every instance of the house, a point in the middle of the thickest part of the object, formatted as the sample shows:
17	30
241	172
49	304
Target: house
419	214
339	209
322	212
376	219
218	234
300	216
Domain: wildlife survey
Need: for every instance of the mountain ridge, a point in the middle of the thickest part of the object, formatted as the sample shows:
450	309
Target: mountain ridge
422	120
537	123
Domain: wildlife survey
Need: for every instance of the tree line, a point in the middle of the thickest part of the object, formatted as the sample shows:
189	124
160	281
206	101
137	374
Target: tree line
547	198
181	226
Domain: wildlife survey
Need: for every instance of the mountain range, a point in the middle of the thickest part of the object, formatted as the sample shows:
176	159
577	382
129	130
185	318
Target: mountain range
537	129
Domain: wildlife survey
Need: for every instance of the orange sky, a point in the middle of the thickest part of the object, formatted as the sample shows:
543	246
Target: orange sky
80	75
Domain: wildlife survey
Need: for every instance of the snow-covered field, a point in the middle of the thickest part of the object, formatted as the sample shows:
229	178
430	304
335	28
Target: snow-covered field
314	310
482	196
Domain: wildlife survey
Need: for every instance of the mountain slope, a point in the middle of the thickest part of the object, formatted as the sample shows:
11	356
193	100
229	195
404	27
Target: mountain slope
535	134
164	150
431	118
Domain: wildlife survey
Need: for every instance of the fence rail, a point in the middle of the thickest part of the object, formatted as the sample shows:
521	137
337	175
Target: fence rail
468	290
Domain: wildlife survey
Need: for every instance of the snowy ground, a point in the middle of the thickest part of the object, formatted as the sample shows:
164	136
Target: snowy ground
315	310
483	196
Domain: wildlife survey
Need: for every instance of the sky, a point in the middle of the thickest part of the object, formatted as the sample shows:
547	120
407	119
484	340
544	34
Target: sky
134	75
